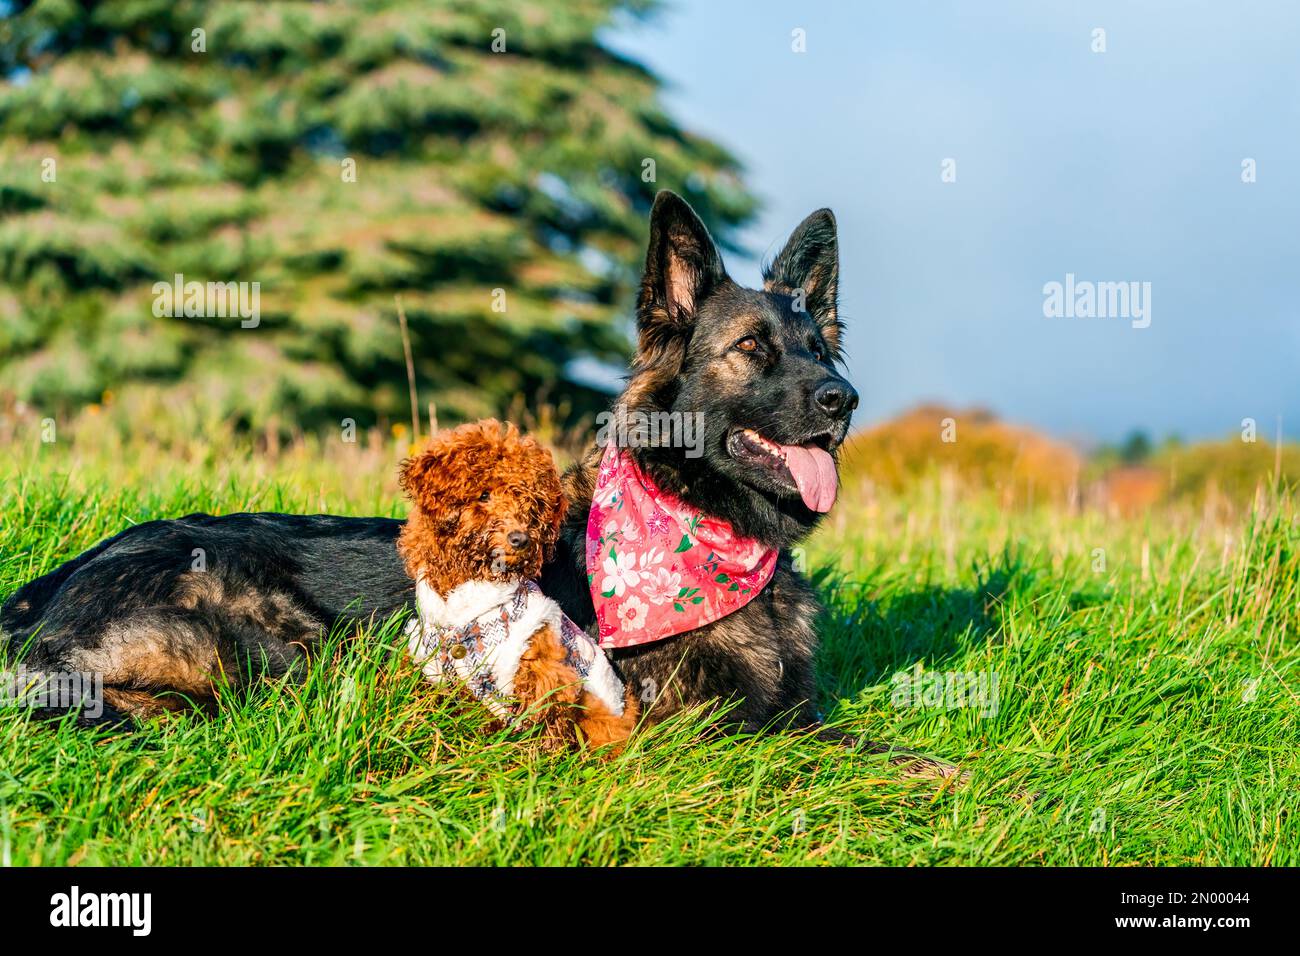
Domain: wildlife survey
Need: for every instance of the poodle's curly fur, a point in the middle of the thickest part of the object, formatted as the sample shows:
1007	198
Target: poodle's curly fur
471	488
487	505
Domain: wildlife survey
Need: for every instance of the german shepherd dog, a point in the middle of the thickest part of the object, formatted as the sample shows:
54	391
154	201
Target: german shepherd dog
759	368
759	365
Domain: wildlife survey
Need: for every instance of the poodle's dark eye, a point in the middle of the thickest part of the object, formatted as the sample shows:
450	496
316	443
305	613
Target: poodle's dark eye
485	496
748	344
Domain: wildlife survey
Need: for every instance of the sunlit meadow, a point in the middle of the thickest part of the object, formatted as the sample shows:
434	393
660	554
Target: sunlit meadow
1145	709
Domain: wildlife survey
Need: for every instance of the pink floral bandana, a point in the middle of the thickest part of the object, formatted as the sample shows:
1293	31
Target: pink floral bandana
657	567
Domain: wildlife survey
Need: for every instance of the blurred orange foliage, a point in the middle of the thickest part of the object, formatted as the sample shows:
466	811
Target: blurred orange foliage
976	449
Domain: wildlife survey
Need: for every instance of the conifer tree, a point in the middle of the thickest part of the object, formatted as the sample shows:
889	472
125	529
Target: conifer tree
491	162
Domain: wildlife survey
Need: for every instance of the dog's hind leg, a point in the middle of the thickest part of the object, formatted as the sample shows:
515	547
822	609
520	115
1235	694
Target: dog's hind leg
155	661
260	632
170	659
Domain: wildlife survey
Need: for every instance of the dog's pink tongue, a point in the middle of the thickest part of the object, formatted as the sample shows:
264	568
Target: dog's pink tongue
814	472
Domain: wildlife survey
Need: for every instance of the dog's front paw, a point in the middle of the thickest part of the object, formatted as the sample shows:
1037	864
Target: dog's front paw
912	763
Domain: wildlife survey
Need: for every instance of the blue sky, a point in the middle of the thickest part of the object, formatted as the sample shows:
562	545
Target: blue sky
1117	166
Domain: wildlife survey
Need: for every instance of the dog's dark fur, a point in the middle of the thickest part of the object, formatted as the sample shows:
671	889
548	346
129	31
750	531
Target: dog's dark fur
167	611
134	608
691	318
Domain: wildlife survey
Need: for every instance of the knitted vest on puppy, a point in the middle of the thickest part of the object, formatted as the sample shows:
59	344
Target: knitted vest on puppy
481	629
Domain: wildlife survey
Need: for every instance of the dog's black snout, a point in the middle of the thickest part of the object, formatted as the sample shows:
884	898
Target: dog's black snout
836	397
517	539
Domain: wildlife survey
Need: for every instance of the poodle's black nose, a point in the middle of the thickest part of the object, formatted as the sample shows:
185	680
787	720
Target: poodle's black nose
517	539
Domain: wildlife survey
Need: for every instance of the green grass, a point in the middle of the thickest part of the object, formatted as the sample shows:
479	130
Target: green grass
1146	712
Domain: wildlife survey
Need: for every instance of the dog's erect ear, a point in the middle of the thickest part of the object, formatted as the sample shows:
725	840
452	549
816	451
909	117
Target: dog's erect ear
810	262
682	266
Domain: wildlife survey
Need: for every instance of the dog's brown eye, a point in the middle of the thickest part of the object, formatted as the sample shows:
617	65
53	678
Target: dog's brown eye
485	496
748	344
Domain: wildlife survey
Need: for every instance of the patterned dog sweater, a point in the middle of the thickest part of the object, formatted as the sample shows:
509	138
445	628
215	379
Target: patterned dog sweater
480	631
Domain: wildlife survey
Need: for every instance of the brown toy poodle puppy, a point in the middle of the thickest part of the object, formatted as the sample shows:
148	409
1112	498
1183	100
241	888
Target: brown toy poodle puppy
486	513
